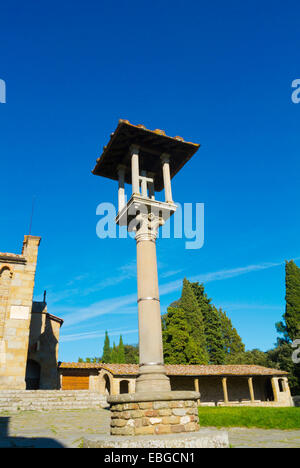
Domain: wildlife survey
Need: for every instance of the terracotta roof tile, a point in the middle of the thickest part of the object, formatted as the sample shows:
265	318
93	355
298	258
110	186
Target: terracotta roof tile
132	369
152	144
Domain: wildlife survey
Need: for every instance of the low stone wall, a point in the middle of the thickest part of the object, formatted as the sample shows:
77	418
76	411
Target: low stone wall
154	417
44	400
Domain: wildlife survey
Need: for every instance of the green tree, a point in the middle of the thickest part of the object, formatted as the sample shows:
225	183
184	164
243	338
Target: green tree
175	336
194	318
121	351
114	355
106	356
131	354
212	325
281	358
233	345
292	297
289	328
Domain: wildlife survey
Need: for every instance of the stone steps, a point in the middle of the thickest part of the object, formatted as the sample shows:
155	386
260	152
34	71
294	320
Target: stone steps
43	400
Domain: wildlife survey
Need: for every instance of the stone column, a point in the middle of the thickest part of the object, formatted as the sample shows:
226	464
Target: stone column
196	385
152	375
144	184
274	382
225	391
165	158
251	390
121	192
134	150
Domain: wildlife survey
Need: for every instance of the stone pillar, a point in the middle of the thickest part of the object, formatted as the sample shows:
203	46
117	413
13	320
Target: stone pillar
274	382
165	158
196	385
144	184
251	390
121	192
225	391
152	375
134	150
151	186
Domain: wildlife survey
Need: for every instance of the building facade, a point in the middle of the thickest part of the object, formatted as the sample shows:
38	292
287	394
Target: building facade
218	385
29	336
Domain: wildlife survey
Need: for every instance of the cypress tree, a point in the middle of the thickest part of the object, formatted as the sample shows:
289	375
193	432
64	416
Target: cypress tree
106	357
188	303
212	325
292	297
121	351
289	328
114	355
233	345
175	336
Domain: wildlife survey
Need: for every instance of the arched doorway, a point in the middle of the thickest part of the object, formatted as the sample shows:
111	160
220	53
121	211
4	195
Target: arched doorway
33	373
107	384
124	386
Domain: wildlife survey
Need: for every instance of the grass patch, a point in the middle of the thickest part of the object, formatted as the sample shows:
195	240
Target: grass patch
263	418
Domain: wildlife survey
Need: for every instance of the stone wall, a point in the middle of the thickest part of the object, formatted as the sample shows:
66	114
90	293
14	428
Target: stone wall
17	274
154	417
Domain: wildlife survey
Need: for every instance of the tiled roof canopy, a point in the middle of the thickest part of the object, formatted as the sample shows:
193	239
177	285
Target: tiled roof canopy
188	370
152	143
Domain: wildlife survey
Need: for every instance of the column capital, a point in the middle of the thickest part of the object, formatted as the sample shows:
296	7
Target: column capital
134	149
165	158
148	227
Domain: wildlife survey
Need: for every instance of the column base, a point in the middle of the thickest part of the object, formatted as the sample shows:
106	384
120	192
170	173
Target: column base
205	438
154	413
152	378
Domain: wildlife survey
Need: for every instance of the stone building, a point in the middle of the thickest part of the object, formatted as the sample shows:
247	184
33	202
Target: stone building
29	336
218	385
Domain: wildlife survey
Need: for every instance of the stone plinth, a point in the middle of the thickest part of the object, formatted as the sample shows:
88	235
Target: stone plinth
205	438
149	413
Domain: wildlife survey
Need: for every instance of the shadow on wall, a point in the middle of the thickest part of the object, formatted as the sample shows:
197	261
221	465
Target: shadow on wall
42	364
23	442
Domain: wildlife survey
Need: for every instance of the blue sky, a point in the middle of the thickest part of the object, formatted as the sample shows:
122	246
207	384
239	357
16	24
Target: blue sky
217	73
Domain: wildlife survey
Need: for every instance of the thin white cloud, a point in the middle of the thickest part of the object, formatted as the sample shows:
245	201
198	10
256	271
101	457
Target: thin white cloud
251	306
93	335
116	304
104	307
167	274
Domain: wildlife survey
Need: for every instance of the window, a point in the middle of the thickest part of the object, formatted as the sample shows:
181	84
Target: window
124	386
281	385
